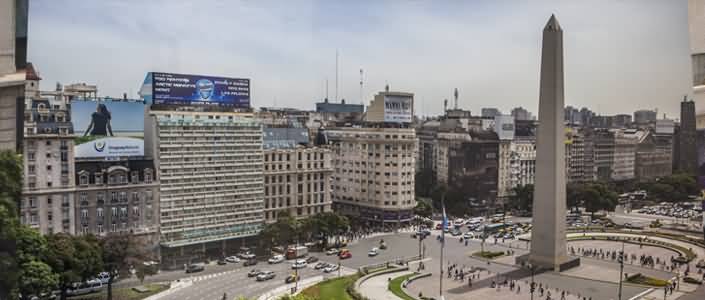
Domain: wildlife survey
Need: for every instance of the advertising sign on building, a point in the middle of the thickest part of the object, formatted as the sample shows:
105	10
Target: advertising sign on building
504	127
182	89
108	129
398	108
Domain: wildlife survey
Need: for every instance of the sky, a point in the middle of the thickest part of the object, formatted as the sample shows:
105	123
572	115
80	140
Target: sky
620	55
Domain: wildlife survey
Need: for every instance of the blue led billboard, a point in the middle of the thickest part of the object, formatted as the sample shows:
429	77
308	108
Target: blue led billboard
183	89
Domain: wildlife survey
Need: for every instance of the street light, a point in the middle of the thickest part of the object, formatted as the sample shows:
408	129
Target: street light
532	288
621	271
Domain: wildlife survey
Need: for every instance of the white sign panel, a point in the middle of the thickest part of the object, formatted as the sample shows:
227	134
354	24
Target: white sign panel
398	109
110	147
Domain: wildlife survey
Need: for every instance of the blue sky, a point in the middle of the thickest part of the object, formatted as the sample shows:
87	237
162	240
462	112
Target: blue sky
620	55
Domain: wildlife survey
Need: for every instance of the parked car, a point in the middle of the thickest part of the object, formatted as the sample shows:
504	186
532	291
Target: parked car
81	288
332	251
232	259
456	232
250	262
311	259
331	268
222	262
247	255
373	252
299	264
468	235
254	272
265	275
192	268
276	259
320	265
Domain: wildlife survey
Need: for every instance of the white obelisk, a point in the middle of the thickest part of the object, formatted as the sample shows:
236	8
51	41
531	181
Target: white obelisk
548	236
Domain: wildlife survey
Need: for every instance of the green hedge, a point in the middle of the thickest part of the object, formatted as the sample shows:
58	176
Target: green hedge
488	254
638	278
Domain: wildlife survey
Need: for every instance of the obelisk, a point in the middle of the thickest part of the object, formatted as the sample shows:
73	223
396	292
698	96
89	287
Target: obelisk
548	236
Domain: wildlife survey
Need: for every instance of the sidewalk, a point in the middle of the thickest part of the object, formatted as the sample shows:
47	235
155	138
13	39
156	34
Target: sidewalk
377	288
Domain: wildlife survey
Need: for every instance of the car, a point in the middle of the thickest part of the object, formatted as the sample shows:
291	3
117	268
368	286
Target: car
455	232
254	272
232	259
311	259
192	268
438	226
320	265
265	275
373	252
299	264
247	256
291	278
468	235
332	251
250	262
345	254
222	262
331	268
509	236
276	259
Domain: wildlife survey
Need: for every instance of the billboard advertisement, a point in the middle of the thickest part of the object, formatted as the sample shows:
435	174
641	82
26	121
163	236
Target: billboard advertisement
398	109
182	89
108	129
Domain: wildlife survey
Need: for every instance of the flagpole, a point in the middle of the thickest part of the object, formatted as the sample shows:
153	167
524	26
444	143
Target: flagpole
444	223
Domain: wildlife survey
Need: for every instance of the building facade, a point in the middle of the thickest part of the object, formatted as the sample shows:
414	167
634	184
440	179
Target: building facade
687	158
210	166
523	164
296	181
374	172
48	186
118	197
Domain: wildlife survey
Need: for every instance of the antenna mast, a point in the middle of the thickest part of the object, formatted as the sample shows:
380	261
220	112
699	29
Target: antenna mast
455	94
361	99
336	75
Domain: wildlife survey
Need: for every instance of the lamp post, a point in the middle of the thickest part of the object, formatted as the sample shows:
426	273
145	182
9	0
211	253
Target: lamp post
532	288
621	271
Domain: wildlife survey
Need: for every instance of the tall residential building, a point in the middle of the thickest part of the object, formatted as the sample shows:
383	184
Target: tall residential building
210	166
374	172
523	165
652	160
13	60
575	155
490	112
297	176
118	196
644	117
48	186
520	113
687	158
696	25
614	152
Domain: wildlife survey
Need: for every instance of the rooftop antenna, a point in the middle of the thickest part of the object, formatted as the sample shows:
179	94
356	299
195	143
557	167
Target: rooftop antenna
455	94
361	99
326	89
445	105
336	75
386	86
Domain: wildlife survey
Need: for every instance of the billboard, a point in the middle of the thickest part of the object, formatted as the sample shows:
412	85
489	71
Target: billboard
108	129
182	89
504	127
398	109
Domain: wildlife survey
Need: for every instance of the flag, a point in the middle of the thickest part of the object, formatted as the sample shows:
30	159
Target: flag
444	225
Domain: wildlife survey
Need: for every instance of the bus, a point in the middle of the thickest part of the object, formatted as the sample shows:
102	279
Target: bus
494	228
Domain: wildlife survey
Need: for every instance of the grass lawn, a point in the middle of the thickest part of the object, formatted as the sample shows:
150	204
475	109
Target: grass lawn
395	286
333	289
645	280
124	293
488	254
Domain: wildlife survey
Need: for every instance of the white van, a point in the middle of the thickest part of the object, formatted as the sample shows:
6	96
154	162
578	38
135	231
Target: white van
82	288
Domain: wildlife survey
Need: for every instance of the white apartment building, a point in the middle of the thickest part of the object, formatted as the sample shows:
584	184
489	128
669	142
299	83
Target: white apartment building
374	172
523	161
48	187
210	166
297	180
624	155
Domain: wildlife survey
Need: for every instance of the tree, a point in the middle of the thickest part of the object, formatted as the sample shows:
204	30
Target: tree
596	196
74	259
120	252
35	276
10	193
423	209
522	197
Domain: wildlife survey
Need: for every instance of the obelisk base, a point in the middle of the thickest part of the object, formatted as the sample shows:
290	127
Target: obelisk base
558	264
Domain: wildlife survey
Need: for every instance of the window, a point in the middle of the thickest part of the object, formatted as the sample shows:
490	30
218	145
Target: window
50	217
48	142
99	212
123	197
83	197
135	177
100	197
84	214
100	228
49	201
147	176
30	156
135	197
135	211
31	169
113	196
98	178
83	179
113	212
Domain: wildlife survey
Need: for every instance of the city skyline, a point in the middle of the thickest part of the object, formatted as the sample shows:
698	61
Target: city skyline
617	60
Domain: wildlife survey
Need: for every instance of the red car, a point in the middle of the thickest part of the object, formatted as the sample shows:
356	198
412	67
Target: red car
345	254
438	226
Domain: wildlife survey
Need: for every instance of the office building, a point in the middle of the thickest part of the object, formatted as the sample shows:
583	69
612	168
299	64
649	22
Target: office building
520	113
644	117
652	159
490	112
48	187
297	175
210	167
374	172
118	197
687	156
13	72
523	161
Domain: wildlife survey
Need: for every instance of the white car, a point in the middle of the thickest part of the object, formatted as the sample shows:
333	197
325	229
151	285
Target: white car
301	263
247	256
232	259
468	235
373	252
332	251
276	259
331	268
